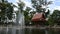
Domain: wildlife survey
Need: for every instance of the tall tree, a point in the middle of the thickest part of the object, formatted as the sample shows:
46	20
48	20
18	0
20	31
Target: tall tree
6	10
55	17
21	6
41	6
26	15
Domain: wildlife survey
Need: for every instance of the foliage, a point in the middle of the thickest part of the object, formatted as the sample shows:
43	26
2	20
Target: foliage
26	15
41	6
55	17
38	4
6	10
21	6
47	14
31	14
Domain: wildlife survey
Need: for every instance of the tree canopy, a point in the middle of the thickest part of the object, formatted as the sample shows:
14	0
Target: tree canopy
6	10
38	4
55	17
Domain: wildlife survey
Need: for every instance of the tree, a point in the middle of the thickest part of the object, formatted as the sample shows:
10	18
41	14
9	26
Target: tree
6	10
9	11
47	14
39	4
31	14
26	15
21	6
55	17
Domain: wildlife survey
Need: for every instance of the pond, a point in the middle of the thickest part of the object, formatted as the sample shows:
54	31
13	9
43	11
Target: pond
15	30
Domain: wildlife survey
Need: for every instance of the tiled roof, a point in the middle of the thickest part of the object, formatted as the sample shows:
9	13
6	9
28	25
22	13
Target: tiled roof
38	17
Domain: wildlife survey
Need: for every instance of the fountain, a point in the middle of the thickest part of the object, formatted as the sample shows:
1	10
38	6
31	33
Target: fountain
20	19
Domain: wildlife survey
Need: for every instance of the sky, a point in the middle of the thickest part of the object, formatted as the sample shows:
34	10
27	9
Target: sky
53	6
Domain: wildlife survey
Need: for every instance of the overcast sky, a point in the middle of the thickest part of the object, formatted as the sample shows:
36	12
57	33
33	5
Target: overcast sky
55	5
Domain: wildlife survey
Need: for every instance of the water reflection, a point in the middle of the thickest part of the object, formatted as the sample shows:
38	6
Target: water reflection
12	30
34	31
15	30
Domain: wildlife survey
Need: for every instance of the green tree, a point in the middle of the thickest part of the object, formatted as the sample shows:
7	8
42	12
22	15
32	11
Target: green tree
47	14
39	4
9	11
6	10
21	6
26	15
55	17
31	14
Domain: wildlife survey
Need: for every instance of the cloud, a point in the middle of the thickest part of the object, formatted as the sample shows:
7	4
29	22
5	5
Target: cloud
57	8
51	0
57	0
15	9
52	6
27	3
17	0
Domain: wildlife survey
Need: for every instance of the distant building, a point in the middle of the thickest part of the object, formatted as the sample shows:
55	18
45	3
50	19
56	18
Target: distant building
39	19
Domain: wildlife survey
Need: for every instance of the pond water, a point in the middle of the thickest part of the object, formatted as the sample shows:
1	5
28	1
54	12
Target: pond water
14	30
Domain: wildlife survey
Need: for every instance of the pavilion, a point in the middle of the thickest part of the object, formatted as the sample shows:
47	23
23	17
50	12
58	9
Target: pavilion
39	19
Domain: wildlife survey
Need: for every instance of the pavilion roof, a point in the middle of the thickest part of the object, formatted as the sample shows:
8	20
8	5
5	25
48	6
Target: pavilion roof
38	17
